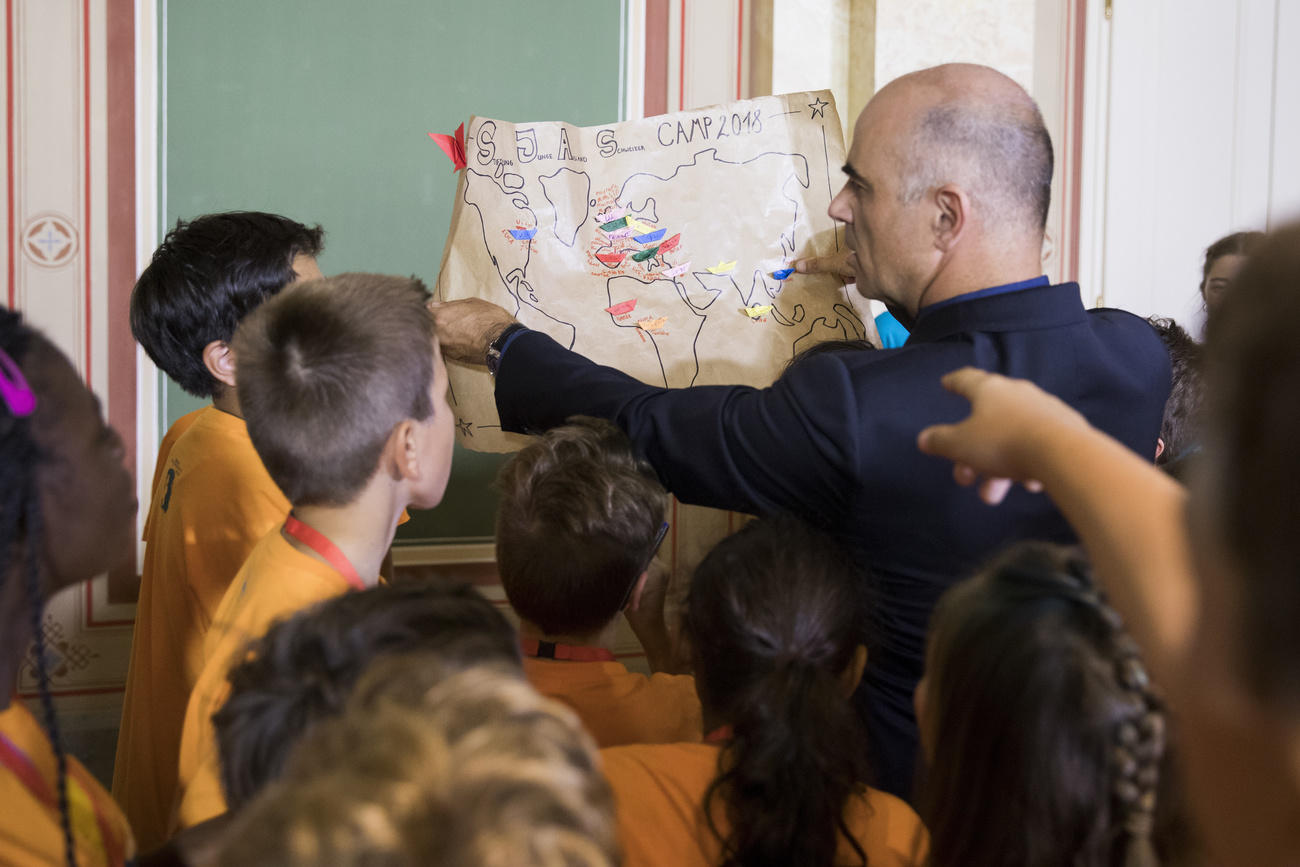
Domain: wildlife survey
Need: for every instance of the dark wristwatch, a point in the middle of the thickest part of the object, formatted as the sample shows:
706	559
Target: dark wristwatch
496	347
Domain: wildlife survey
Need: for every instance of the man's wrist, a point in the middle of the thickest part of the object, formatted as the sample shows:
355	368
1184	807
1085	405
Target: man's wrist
499	338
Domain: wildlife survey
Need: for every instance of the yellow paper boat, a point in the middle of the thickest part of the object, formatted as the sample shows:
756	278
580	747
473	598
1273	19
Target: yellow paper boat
638	227
652	324
722	267
758	310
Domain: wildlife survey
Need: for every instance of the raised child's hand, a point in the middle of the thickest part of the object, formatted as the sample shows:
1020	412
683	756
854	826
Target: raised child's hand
1011	424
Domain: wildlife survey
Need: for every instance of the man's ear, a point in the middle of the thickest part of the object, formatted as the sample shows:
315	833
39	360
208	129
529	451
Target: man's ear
402	453
952	214
219	359
1160	447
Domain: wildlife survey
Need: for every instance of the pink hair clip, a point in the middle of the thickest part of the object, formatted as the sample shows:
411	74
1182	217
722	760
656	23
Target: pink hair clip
14	390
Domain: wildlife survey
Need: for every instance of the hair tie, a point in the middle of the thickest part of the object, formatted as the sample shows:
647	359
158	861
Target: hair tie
14	390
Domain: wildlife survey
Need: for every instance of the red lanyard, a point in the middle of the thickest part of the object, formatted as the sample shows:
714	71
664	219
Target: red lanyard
21	766
718	735
568	652
315	540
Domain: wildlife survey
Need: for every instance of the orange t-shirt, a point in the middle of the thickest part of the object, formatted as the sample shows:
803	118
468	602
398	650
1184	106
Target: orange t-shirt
212	501
277	582
619	706
659	790
31	831
175	432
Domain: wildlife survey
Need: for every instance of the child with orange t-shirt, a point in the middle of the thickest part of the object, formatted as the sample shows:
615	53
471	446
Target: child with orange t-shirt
344	392
61	469
774	622
580	519
211	498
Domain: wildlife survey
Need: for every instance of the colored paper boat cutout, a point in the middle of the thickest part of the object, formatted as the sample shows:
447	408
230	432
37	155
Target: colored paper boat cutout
619	233
758	310
622	307
644	254
613	225
722	267
783	273
638	226
650	237
611	215
522	234
671	244
678	271
652	324
611	259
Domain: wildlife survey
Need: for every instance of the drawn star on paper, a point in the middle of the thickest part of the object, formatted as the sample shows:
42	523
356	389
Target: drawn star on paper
818	107
464	427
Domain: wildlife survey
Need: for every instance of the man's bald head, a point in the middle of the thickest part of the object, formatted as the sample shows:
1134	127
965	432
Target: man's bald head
973	127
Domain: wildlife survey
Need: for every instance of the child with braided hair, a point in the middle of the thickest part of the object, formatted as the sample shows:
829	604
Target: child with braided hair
1206	576
1043	736
60	468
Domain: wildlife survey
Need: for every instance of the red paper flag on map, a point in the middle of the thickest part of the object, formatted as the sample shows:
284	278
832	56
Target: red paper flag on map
452	146
622	307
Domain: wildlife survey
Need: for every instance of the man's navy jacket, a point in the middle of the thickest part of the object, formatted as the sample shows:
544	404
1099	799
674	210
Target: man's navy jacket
834	442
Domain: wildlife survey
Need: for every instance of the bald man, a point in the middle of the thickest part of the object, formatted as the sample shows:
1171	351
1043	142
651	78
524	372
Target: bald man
948	185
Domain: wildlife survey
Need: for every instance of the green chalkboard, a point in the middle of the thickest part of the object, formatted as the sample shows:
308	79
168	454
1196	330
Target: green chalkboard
319	109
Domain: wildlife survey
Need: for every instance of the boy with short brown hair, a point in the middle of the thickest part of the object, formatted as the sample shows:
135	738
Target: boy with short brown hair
580	520
344	392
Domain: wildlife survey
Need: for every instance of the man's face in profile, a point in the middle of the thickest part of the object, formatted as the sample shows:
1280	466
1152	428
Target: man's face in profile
884	232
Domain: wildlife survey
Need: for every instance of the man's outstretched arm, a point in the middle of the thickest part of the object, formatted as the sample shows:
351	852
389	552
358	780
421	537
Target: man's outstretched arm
791	447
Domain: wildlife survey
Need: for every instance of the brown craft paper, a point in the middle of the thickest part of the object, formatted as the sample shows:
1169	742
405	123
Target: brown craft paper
746	183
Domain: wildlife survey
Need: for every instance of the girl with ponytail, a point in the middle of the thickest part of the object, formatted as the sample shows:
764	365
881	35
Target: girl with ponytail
1045	740
66	504
774	621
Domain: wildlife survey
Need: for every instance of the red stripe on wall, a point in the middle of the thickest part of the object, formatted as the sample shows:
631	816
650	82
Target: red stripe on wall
120	200
656	57
681	63
85	121
1075	180
9	140
740	43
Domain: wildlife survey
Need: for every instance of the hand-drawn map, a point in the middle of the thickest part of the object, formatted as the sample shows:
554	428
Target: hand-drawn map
662	247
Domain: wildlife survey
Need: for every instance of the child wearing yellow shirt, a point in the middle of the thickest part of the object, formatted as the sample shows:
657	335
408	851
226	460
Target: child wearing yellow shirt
580	519
344	393
211	498
66	509
774	619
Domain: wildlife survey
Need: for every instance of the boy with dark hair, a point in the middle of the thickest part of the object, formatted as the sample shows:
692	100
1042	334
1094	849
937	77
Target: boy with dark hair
345	397
1180	435
211	498
580	519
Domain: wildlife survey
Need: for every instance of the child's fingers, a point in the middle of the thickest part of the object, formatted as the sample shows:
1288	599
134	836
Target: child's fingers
965	381
964	474
940	440
994	490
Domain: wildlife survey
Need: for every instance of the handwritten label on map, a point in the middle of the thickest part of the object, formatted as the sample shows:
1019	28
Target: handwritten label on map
743	187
